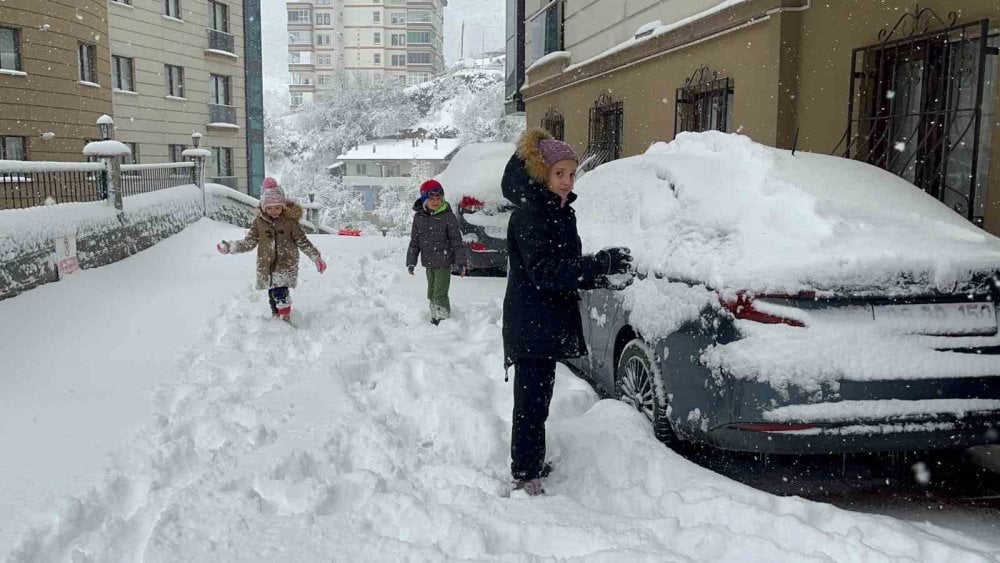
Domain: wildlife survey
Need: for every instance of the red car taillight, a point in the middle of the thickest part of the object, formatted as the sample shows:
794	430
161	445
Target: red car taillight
743	308
469	203
478	247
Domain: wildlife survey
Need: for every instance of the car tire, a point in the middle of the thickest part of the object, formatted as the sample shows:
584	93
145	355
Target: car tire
636	378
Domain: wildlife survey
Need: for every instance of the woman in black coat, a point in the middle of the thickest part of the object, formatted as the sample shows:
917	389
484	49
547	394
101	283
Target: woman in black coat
541	314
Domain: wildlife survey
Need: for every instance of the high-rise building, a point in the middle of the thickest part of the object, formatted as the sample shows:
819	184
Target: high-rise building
162	68
332	42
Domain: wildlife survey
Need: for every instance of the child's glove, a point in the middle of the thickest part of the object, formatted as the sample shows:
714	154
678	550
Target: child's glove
320	265
410	269
222	247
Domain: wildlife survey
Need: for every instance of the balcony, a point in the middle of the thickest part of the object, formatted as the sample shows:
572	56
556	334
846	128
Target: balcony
221	42
222	117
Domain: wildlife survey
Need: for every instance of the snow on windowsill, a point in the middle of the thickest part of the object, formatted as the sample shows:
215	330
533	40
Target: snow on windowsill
646	34
176	98
126	92
223	53
551	57
90	84
222	125
166	17
8	72
122	4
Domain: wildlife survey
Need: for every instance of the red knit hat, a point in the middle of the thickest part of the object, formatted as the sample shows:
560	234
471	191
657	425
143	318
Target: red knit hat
429	186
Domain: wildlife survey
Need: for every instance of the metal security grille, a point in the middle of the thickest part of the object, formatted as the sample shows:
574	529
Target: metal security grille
554	123
704	103
916	107
604	137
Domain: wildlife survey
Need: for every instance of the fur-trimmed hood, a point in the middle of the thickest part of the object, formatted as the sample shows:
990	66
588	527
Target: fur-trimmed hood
292	211
531	154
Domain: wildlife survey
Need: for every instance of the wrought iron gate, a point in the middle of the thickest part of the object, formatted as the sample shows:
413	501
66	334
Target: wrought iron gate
704	103
916	107
554	123
604	137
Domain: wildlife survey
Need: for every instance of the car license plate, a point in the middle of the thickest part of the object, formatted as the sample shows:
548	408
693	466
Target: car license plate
940	318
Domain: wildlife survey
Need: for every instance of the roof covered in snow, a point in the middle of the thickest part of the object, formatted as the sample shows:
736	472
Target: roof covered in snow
402	149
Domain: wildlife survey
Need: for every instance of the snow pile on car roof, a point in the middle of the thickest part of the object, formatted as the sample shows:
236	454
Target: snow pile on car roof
722	210
476	171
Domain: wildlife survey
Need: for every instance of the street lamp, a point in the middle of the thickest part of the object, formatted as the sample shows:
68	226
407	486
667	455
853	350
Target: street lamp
106	126
196	139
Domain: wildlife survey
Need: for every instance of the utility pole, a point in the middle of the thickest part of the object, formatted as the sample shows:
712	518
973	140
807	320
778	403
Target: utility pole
462	42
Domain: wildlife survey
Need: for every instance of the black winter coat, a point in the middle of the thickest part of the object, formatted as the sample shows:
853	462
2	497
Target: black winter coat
436	239
541	310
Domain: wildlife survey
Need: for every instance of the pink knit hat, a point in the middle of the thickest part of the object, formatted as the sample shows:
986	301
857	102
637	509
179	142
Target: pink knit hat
554	151
270	193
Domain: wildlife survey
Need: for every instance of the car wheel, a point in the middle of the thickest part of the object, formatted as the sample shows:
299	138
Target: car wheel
636	385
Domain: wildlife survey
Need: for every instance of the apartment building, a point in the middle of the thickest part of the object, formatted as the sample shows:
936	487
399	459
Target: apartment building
162	68
332	42
55	69
909	88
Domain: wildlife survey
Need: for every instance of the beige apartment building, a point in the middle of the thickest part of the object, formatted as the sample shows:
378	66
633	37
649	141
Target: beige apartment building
331	42
909	88
53	63
164	69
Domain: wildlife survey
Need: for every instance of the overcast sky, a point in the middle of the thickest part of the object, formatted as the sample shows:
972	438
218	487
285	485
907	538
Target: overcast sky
484	31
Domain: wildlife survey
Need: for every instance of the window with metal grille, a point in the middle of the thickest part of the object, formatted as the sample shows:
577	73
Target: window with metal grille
605	133
704	103
175	80
12	148
87	59
554	123
921	104
10	49
123	73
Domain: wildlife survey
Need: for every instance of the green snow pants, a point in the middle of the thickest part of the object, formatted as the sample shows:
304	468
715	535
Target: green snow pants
438	281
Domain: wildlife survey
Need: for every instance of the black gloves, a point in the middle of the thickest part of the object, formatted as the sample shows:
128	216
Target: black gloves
618	260
410	269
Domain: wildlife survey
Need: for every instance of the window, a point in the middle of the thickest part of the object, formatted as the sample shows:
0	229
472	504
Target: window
299	57
418	58
392	170
222	162
87	58
398	39
126	2
299	16
377	58
175	80
123	73
324	80
361	169
397	18
402	79
220	94
10	52
323	19
131	158
397	60
172	8
301	79
397	2
324	60
300	37
418	37
322	39
324	2
545	32
418	16
377	38
296	99
219	15
554	123
377	16
175	152
12	148
704	103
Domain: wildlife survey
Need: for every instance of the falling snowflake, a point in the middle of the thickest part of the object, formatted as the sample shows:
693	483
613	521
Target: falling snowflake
890	94
900	146
921	473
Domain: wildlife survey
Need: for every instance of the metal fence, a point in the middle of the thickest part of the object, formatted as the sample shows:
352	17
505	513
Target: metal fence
27	184
144	178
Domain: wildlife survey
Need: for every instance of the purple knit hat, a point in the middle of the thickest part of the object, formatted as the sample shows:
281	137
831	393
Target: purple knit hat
554	151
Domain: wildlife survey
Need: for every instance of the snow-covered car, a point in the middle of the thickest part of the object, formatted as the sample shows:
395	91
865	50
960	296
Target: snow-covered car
472	181
790	303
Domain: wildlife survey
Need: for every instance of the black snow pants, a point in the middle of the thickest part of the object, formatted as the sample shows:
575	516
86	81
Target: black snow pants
533	382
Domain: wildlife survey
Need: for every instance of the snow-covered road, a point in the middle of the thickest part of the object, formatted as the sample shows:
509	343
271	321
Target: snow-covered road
365	434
